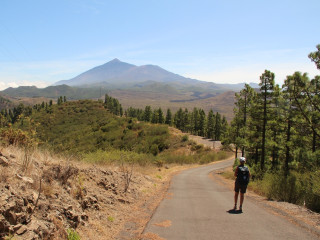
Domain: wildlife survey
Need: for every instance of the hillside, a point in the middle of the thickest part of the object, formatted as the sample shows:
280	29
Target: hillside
52	92
5	103
87	126
54	198
154	94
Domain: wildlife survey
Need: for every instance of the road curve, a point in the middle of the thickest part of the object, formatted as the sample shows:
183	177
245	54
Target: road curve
197	208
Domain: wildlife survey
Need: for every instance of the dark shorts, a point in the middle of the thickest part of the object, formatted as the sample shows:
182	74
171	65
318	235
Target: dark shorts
240	187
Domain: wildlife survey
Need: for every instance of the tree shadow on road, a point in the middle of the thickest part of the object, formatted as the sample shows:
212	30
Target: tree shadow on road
232	211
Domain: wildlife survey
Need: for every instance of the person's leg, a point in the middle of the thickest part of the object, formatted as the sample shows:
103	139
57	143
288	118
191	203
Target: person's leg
236	194
241	200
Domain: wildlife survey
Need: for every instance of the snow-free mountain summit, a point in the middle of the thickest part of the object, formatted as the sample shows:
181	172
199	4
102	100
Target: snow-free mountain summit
117	72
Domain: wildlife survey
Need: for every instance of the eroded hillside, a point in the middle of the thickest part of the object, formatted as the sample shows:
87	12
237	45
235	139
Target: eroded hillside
45	197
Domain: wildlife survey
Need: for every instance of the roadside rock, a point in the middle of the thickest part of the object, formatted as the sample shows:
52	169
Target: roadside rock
4	161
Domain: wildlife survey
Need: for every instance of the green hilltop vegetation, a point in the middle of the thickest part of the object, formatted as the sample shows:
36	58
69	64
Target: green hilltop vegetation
53	92
97	131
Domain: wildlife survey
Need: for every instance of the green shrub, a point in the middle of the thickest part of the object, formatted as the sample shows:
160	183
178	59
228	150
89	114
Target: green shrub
197	147
185	138
154	149
110	219
159	162
72	234
17	137
297	188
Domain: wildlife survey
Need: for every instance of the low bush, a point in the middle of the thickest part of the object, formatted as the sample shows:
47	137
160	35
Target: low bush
185	138
72	234
297	188
16	137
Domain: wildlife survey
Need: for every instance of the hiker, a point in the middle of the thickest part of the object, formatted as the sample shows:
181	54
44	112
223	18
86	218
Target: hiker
242	175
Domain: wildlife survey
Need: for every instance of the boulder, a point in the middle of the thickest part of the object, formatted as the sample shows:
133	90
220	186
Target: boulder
11	217
4	225
22	230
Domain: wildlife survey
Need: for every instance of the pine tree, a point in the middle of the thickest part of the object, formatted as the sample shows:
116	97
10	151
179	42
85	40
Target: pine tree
210	125
224	127
147	114
315	57
179	119
186	122
168	117
195	122
202	123
217	129
155	116
265	97
161	117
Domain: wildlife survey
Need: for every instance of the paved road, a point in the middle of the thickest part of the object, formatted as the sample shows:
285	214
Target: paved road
197	208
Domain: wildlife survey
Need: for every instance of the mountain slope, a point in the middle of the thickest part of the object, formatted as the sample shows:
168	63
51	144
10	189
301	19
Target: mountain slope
117	72
103	73
5	103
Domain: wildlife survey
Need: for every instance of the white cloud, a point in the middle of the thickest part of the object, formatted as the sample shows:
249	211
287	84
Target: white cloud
252	72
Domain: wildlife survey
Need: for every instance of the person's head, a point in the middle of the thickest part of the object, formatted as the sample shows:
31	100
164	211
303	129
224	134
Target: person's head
242	160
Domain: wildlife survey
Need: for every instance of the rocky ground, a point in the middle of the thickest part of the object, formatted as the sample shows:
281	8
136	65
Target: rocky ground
44	197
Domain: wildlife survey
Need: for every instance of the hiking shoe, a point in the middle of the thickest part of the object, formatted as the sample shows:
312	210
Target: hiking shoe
240	209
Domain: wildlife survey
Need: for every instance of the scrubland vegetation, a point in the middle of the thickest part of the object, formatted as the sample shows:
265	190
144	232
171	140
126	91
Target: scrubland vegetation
96	131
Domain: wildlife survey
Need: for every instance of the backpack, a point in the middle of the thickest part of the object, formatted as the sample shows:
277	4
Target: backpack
243	175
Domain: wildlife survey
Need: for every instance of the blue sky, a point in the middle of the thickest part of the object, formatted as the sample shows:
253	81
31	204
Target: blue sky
42	42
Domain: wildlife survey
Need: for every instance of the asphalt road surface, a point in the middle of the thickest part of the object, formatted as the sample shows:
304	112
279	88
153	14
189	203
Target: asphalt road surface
197	208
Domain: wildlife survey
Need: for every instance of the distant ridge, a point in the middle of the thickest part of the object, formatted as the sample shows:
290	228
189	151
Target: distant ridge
117	72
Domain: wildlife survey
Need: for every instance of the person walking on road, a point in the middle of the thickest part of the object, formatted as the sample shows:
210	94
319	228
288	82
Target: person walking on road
242	175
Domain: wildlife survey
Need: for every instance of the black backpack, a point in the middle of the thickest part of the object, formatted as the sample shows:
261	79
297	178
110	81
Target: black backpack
243	174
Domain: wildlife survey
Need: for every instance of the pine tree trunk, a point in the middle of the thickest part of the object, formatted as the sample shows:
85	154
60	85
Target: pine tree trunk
236	152
314	140
264	130
286	164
